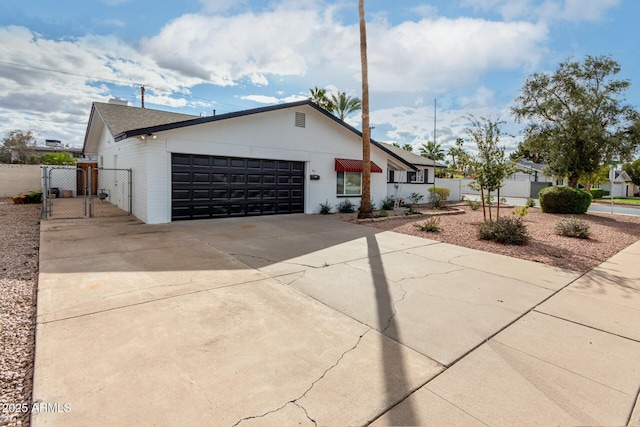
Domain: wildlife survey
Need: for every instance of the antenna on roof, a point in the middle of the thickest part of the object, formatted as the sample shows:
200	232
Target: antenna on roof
214	113
142	95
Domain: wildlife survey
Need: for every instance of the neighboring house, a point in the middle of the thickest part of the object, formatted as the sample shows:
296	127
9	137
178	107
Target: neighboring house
424	172
622	185
527	170
286	158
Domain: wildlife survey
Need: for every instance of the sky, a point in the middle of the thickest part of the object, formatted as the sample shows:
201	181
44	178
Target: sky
447	58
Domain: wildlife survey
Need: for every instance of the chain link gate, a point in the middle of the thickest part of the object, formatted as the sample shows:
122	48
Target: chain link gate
82	192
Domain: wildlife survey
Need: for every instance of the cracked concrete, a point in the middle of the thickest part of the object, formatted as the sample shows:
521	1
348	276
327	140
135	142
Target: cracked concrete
307	320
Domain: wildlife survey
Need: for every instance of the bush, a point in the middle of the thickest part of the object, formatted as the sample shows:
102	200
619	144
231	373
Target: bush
598	193
521	212
416	198
438	195
507	230
474	204
325	208
432	225
382	213
412	211
34	196
388	204
530	203
564	200
573	227
346	206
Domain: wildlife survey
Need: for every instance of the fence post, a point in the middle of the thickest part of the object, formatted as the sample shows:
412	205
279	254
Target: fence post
130	191
45	192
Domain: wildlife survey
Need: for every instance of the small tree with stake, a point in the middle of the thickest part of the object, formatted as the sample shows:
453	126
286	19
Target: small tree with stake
490	166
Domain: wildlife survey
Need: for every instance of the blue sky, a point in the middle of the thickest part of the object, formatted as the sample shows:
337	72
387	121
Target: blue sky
196	56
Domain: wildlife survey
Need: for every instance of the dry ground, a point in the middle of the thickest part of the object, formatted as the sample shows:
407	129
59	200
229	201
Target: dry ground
19	246
609	235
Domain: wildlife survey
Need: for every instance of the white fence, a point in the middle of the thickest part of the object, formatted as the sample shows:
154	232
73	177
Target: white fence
459	187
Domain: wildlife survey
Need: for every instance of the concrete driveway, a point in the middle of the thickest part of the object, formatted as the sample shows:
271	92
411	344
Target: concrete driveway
307	320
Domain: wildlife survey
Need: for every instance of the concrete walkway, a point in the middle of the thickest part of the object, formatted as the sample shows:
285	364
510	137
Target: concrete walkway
306	320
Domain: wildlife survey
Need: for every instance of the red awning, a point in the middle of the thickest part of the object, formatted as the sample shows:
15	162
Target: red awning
350	165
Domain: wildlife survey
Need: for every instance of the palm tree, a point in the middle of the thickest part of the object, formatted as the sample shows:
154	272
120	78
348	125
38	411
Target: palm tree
432	151
319	97
365	205
343	105
408	147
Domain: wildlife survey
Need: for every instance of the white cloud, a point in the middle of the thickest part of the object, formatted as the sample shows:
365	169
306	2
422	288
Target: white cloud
261	99
546	10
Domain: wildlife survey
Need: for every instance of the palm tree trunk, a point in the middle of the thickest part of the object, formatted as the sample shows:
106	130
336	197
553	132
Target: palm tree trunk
365	205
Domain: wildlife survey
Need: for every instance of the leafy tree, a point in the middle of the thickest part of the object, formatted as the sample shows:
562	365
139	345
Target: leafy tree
319	97
527	150
343	105
395	144
633	170
62	158
432	151
490	167
19	142
588	180
366	210
577	117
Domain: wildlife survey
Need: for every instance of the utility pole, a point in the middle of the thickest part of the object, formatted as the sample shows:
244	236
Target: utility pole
142	95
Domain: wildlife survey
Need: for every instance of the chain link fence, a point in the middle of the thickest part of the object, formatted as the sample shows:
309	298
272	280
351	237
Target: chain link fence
81	192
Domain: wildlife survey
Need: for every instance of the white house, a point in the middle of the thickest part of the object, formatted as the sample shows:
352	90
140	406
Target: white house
287	158
622	185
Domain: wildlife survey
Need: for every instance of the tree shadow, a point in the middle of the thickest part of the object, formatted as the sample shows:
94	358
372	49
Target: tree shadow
394	374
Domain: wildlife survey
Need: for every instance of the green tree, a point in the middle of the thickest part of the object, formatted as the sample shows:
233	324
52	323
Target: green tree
343	105
529	151
577	117
633	170
18	143
319	97
588	180
432	151
365	210
408	147
490	167
62	158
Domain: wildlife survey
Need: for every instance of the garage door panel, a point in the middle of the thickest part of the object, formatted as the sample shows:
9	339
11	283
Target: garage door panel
213	186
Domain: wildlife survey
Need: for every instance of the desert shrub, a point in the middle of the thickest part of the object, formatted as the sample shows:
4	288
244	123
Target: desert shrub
34	196
507	230
438	195
325	208
530	203
388	204
416	198
503	200
411	211
564	200
431	225
598	193
346	206
521	212
382	213
489	199
474	204
573	227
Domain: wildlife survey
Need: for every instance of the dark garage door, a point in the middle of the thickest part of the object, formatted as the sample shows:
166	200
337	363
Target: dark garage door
212	186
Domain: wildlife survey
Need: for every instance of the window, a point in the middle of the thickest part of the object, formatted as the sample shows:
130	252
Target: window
391	175
349	183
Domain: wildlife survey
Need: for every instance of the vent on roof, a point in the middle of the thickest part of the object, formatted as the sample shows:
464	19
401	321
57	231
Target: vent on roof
118	101
300	120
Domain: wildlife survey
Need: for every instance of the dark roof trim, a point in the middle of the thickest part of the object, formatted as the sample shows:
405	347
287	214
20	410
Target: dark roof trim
201	120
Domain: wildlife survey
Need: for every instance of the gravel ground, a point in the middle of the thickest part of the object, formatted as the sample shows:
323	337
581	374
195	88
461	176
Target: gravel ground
609	235
19	245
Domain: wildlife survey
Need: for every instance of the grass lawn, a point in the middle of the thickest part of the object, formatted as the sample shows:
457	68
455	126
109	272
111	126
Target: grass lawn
627	201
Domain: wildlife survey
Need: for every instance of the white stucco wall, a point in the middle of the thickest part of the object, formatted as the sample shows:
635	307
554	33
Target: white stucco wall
132	153
17	179
269	135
